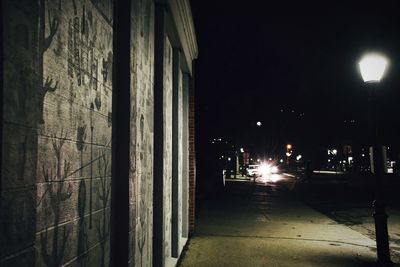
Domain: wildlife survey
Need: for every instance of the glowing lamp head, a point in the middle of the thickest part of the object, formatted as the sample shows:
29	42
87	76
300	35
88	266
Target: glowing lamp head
372	67
288	146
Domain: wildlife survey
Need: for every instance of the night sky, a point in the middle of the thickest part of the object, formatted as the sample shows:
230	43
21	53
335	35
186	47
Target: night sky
295	68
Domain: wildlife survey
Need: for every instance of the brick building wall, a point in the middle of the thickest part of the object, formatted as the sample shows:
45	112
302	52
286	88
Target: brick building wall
192	158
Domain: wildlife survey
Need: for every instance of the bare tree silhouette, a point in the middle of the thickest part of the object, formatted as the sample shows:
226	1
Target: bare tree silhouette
45	43
142	219
103	229
55	182
80	144
83	242
53	25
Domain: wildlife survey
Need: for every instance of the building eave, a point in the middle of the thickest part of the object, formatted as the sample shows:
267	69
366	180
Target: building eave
183	20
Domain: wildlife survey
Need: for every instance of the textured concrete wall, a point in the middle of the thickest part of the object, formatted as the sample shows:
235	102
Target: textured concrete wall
181	242
142	58
185	155
58	131
56	142
167	149
74	157
22	97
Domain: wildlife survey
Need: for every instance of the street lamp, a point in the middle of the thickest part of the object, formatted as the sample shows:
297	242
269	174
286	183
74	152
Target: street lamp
372	68
288	153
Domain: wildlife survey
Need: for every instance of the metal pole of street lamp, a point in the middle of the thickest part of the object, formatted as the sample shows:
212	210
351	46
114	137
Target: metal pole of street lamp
372	68
235	165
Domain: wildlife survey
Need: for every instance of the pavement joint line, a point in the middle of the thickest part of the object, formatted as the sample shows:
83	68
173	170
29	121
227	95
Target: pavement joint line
283	238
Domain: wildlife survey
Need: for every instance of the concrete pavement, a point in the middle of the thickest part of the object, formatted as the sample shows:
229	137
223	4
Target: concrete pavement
262	225
348	201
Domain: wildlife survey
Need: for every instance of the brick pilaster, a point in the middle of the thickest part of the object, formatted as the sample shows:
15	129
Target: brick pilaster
192	156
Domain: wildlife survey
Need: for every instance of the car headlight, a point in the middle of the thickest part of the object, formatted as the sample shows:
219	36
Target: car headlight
265	169
274	169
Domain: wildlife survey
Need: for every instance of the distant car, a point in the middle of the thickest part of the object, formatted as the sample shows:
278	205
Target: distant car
274	169
267	169
253	170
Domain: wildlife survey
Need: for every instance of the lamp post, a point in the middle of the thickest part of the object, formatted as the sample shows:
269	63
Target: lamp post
372	68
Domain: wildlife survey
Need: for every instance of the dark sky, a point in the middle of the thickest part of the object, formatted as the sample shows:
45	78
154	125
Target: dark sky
260	60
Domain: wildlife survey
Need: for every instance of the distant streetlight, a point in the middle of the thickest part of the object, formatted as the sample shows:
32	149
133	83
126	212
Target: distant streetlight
372	68
288	153
259	123
241	150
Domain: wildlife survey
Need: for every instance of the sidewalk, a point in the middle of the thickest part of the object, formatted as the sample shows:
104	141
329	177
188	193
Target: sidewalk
263	226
